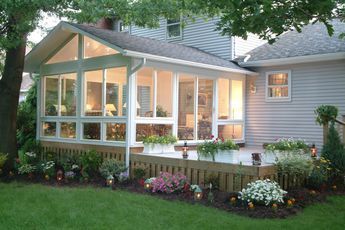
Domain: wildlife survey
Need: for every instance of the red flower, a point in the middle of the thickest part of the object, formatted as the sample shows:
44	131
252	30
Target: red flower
212	136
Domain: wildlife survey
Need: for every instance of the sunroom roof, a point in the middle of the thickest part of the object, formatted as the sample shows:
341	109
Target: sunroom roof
127	45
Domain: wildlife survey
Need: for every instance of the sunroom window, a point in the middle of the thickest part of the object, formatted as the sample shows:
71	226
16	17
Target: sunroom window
105	92
145	130
230	99
69	52
93	48
60	95
278	85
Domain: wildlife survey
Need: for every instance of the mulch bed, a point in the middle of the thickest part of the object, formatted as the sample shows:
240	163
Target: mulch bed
303	197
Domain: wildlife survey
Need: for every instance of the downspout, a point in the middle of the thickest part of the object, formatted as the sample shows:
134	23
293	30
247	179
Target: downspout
129	109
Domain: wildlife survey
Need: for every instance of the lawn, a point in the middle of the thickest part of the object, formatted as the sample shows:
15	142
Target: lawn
25	206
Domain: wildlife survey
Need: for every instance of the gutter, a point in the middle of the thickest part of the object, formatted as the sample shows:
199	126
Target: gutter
183	62
294	60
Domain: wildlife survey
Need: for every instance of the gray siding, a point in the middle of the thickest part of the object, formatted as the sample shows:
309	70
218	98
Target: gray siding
200	34
244	46
312	85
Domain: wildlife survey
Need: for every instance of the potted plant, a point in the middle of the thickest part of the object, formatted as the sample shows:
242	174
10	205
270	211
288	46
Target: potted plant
229	149
159	144
283	147
208	150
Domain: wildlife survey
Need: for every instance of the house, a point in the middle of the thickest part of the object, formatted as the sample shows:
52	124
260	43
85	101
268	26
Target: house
101	87
27	82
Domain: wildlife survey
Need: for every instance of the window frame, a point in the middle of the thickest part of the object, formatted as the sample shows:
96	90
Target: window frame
167	25
267	86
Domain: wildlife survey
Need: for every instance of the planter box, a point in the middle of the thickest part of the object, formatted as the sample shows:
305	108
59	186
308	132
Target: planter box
158	148
224	155
271	156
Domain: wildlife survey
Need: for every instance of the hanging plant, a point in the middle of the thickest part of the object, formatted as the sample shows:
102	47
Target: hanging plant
325	114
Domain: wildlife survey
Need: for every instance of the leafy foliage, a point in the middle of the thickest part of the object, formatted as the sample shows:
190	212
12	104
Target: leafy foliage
295	164
325	114
139	173
3	159
90	163
334	150
320	173
154	139
26	169
288	144
112	167
227	145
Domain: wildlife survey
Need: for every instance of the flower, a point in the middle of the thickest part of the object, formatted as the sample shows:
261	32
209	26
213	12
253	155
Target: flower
251	205
289	203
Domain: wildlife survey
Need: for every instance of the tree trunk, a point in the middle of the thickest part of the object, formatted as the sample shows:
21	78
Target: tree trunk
9	97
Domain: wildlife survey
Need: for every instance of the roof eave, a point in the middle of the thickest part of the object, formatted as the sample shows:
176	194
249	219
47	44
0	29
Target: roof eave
295	60
184	62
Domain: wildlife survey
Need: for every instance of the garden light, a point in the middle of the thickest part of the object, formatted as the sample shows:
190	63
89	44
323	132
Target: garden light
59	175
147	184
198	194
110	180
185	150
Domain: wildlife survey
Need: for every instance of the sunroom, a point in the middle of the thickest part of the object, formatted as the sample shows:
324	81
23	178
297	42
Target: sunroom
104	88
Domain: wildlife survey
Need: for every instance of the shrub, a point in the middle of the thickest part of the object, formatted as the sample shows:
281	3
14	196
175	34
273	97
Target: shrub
334	150
208	148
325	114
139	173
26	169
169	183
3	159
295	164
71	163
48	168
288	144
90	163
227	145
112	167
263	192
320	173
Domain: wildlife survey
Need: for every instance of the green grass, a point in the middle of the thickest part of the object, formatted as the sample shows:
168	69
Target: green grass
41	207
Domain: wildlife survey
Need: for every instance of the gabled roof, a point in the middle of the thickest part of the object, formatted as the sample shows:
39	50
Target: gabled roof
313	40
127	45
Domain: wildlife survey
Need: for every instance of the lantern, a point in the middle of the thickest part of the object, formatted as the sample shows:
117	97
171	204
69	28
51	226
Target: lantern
313	151
59	175
110	180
198	194
185	150
147	184
256	158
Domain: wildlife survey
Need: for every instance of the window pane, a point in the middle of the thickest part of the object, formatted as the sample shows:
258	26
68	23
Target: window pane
93	97
68	130
68	94
145	90
230	131
237	99
49	129
145	130
174	31
116	132
278	79
115	95
173	20
164	94
93	48
278	92
92	131
223	98
205	106
67	53
51	96
186	108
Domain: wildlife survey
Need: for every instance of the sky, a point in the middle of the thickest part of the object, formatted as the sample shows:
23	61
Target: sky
47	23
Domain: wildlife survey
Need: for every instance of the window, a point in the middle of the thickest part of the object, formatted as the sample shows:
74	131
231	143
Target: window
116	132
154	93
92	131
60	95
122	27
173	29
68	130
67	53
49	129
233	131
278	86
144	130
93	48
205	107
114	102
230	99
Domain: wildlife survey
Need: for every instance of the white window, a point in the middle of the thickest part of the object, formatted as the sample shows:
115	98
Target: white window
278	86
173	29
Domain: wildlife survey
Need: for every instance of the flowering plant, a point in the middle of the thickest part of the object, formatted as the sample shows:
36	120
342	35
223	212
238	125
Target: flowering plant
288	144
123	177
48	168
169	183
209	148
154	139
70	175
320	174
26	169
227	145
262	192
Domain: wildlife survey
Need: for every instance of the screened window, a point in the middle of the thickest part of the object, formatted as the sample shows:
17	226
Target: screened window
94	48
278	85
145	92
68	52
49	129
116	132
145	130
93	82
231	131
205	107
230	99
173	29
68	130
92	131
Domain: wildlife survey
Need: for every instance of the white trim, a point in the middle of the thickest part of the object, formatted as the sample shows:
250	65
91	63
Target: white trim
183	62
278	99
295	60
168	38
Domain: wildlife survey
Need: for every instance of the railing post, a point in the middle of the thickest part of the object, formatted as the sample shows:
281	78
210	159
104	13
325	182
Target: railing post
325	133
343	129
